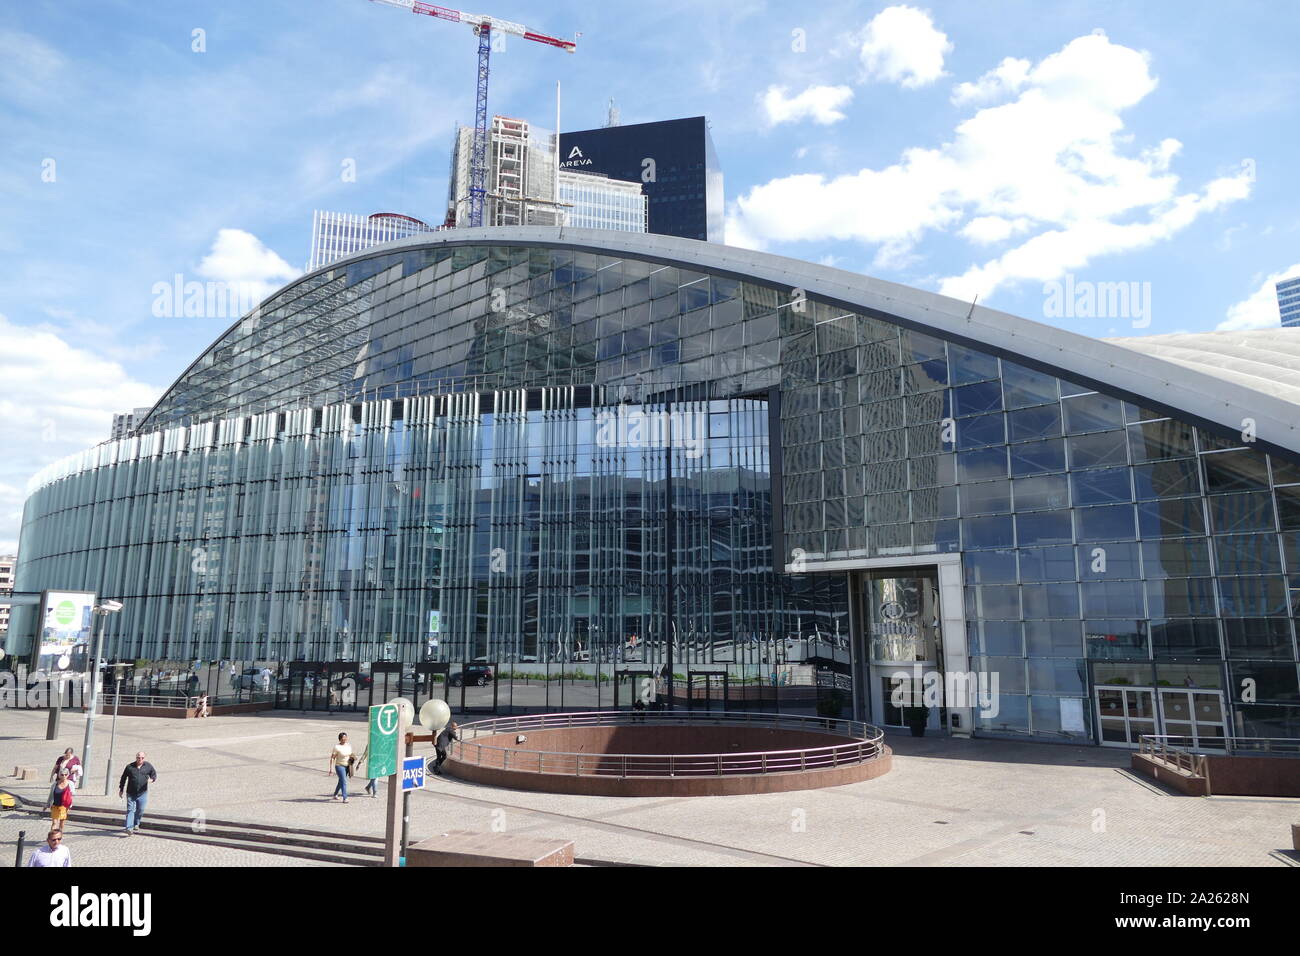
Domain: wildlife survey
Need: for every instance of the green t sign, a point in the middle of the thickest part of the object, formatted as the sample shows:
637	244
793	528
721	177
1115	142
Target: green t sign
384	722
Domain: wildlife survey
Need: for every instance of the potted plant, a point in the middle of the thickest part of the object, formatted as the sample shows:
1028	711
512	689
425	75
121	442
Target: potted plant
916	718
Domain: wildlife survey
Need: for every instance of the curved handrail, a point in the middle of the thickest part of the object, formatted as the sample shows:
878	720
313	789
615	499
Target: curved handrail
866	744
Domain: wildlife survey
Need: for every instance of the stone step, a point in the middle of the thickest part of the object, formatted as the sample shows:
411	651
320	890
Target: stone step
336	843
319	845
234	842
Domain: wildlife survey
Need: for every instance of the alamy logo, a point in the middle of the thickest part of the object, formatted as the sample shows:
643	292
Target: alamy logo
977	690
1085	299
75	909
638	429
12	694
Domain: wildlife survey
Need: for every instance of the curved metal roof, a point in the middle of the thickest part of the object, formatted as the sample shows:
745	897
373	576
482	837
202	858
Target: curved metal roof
1267	360
1182	378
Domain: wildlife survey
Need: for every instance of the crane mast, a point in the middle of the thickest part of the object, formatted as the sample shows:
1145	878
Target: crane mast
482	25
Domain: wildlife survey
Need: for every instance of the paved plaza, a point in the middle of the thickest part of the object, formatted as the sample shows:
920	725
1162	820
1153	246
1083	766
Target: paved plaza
946	803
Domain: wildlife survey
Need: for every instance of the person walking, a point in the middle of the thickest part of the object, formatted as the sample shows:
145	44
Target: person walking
340	759
442	746
372	787
53	853
70	762
135	782
60	800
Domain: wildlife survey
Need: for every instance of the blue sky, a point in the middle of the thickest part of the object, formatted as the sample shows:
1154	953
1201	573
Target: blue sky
986	149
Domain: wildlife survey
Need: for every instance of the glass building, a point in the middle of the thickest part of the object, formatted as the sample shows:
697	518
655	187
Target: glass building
337	235
1288	301
593	201
676	161
530	468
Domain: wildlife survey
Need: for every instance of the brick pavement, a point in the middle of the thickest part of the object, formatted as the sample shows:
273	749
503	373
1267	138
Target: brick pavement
946	803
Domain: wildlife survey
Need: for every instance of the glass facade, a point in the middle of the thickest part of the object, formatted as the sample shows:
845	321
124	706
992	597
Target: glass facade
674	160
1090	529
337	235
598	202
574	470
1288	301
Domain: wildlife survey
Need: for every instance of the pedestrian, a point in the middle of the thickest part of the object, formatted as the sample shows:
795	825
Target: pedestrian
135	782
60	800
70	762
371	787
340	760
204	709
442	746
53	853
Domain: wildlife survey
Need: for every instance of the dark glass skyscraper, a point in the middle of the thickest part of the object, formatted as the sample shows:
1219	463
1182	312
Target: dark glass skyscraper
676	161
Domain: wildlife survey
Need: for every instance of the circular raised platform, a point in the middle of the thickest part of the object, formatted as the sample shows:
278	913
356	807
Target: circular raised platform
651	754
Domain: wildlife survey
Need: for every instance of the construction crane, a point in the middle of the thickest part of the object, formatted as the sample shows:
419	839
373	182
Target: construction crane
482	26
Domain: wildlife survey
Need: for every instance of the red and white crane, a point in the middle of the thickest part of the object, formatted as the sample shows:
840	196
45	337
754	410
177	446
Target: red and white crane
483	26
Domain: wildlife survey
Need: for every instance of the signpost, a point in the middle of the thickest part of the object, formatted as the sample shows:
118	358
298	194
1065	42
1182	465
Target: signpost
385	721
412	773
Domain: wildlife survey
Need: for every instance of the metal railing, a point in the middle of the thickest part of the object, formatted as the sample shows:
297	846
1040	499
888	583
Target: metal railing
1261	746
178	701
1175	751
866	743
1159	744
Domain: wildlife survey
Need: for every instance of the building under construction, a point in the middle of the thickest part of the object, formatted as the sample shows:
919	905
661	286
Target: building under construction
522	178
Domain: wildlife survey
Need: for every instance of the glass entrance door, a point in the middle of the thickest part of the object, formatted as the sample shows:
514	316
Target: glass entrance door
630	686
1196	714
707	691
892	713
1124	714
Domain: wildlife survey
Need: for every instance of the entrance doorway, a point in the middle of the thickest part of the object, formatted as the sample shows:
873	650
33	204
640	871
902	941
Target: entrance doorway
707	690
1124	714
629	686
1197	714
903	640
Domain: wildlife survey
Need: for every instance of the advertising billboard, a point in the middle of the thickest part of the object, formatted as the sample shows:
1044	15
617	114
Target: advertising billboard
66	620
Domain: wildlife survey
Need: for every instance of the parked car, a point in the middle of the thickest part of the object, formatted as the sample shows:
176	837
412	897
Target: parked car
480	675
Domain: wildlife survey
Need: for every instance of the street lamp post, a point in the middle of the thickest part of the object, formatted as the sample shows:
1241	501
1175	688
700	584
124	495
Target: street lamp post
112	737
103	609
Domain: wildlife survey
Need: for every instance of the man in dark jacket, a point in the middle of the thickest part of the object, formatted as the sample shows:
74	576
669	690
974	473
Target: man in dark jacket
443	745
135	781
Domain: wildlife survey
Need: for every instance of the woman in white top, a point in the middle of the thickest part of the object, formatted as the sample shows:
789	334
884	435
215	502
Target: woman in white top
339	758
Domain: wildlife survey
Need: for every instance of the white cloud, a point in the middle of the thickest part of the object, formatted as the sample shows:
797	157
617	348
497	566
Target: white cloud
57	399
1260	309
821	104
989	229
239	259
1007	78
1055	166
902	45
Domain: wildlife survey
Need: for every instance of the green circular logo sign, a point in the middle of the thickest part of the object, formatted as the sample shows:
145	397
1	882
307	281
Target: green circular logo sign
65	612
